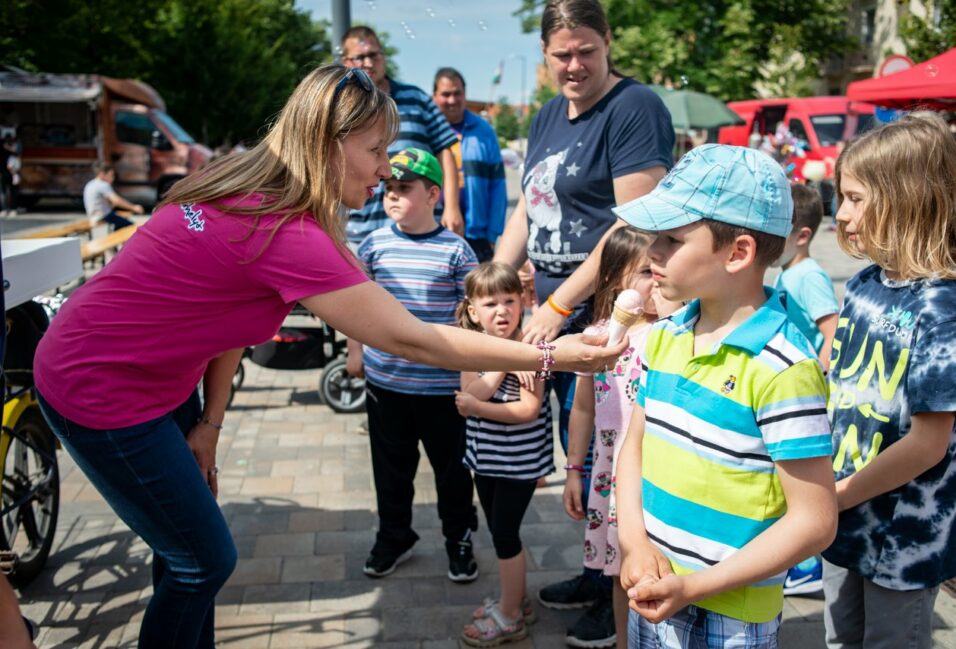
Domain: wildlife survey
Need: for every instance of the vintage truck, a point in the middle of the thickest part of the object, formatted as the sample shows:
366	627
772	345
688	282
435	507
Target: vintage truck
65	122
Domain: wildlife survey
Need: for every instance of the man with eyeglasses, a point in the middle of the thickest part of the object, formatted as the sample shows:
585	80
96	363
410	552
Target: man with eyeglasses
481	174
422	126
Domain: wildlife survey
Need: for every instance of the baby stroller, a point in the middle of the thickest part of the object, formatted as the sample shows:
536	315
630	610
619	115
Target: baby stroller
307	343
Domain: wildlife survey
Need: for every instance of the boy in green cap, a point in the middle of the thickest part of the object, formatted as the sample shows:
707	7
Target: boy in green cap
424	266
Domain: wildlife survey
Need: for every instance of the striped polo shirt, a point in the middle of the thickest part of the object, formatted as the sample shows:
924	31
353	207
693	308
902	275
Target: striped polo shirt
421	125
715	424
522	451
426	273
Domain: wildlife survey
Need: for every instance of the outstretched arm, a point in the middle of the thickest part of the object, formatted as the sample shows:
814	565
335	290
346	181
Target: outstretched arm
118	201
369	314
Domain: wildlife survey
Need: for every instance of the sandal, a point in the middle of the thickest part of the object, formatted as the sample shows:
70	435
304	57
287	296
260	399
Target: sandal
527	612
494	629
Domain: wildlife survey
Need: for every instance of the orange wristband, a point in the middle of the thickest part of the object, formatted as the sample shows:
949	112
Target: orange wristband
560	310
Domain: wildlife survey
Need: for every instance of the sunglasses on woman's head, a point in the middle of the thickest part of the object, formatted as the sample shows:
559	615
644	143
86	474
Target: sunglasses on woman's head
360	77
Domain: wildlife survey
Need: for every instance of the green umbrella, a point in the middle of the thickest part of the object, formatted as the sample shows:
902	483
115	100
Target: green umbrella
696	110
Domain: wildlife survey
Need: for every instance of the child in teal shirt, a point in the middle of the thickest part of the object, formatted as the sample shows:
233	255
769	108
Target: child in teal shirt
809	297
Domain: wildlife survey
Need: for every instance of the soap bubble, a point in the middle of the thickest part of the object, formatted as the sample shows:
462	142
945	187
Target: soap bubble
430	11
482	25
451	22
932	70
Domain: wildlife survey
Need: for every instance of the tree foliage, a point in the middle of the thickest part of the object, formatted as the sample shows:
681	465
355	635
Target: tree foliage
224	67
929	37
507	123
728	48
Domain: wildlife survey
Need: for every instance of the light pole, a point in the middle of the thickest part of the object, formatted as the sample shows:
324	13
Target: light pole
341	21
523	101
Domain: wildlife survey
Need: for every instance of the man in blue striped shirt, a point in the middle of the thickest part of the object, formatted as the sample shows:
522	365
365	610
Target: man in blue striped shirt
422	126
481	175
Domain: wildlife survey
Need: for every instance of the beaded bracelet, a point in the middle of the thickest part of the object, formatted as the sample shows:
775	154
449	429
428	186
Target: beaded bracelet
557	308
574	467
209	422
547	361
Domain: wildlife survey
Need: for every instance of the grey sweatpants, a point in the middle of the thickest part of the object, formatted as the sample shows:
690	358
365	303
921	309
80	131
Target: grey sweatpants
859	614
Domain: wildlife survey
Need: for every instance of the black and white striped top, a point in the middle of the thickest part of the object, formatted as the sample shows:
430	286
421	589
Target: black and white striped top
516	451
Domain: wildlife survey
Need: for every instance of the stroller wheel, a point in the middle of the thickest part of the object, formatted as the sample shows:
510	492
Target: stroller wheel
339	391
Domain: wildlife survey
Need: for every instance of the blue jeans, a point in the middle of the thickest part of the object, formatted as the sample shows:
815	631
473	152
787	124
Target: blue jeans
116	221
150	478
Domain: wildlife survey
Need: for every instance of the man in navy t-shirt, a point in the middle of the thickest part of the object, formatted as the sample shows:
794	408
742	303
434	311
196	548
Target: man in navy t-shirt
570	169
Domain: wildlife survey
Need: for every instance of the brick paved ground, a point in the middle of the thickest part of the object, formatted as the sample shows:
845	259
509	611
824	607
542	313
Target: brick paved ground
296	490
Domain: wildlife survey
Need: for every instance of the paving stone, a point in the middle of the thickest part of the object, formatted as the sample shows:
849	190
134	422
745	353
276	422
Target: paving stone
256	571
308	569
319	629
274	599
267	486
315	520
271	545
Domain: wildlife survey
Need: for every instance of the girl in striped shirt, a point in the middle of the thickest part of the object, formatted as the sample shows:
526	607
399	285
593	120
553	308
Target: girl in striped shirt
508	446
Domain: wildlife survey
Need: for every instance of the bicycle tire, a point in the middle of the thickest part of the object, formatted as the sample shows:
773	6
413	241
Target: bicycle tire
30	463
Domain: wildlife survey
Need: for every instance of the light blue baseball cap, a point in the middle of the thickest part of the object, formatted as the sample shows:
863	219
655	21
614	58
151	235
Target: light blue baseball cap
730	184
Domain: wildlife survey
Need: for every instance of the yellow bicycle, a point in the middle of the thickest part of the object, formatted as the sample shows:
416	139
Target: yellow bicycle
30	486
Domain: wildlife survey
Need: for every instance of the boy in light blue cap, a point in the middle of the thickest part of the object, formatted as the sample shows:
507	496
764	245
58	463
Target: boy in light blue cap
724	480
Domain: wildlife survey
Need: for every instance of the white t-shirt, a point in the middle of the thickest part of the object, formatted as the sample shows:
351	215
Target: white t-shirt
96	199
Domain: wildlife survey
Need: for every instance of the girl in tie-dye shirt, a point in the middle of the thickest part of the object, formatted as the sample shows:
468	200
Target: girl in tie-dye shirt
892	394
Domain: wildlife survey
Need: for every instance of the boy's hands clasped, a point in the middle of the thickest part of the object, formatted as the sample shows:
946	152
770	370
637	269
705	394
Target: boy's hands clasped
653	590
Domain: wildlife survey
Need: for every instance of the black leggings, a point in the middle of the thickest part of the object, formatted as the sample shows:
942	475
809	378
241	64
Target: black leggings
504	502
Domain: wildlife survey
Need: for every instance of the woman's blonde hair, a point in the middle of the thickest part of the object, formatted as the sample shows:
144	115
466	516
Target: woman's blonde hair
292	165
908	168
487	279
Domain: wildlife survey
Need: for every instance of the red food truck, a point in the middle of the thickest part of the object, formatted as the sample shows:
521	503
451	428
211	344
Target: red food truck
65	122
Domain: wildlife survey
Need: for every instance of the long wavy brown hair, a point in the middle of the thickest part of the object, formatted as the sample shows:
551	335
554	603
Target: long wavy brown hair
292	167
908	168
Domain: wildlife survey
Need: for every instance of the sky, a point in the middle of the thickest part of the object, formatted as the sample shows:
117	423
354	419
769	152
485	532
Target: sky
480	35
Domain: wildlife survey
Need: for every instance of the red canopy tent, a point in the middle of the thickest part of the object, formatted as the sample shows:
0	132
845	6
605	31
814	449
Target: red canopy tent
930	84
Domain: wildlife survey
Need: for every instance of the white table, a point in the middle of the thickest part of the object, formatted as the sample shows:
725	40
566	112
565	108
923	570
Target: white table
32	267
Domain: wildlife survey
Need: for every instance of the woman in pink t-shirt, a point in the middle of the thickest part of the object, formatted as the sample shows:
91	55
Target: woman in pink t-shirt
216	269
